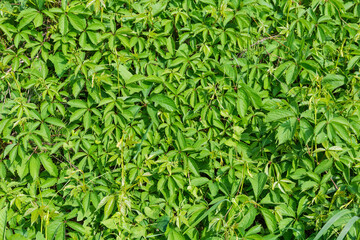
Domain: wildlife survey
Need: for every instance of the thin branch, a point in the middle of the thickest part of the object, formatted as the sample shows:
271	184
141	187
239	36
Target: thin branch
257	43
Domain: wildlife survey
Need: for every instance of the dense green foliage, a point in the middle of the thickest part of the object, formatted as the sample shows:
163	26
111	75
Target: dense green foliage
194	119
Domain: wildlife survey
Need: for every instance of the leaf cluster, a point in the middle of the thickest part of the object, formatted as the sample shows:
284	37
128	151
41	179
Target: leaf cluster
194	119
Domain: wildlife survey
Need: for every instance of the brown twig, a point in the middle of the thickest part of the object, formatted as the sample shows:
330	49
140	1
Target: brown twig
33	152
337	188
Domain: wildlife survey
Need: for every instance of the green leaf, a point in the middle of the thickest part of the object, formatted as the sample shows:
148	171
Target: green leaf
110	204
291	74
254	96
308	185
158	7
249	218
258	183
38	20
306	130
164	102
55	121
27	19
63	24
87	120
152	111
34	166
310	65
110	223
324	166
40	236
125	74
48	164
210	2
205	214
162	223
181	140
8	149
64	4
170	44
135	78
77	22
333	81
56	230
341	131
352	62
175	235
303	203
76	226
3	123
269	218
139	117
60	63
199	181
77	114
3	221
278	114
152	213
243	103
77	103
286	130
